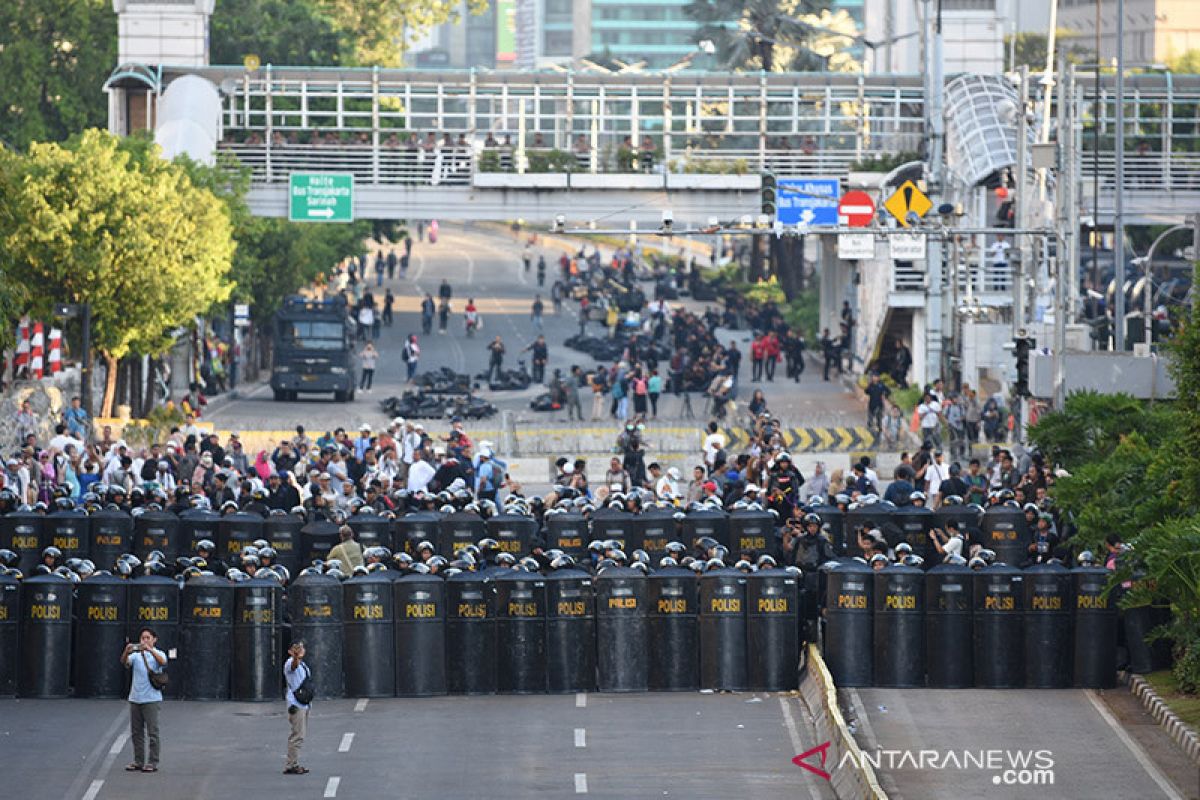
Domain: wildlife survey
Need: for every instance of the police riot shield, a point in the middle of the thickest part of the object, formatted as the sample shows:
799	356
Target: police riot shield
520	632
833	521
282	532
912	524
570	632
698	524
419	526
899	630
68	531
24	532
420	635
315	606
751	532
46	606
1095	629
317	538
257	640
372	530
656	527
162	531
673	608
206	637
1048	595
1005	531
197	524
235	532
772	630
723	630
612	523
369	653
110	534
102	615
567	532
948	627
999	607
470	634
459	530
622	652
10	634
154	603
514	533
868	517
849	596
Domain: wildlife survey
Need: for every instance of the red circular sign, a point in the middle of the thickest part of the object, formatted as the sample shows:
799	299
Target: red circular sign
856	209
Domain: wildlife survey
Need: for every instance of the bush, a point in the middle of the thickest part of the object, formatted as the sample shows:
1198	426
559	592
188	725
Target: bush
489	161
553	161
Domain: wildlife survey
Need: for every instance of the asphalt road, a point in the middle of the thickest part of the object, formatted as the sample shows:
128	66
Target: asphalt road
615	746
1101	744
486	265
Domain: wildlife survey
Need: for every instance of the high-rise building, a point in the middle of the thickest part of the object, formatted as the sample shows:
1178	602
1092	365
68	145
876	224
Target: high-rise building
659	33
1155	30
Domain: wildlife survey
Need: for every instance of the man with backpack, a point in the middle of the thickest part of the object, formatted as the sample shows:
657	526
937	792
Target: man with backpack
298	679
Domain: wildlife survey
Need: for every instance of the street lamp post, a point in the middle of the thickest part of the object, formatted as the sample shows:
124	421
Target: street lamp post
1147	262
84	312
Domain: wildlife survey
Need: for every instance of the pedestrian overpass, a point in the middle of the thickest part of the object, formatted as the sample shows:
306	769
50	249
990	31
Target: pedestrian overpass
610	149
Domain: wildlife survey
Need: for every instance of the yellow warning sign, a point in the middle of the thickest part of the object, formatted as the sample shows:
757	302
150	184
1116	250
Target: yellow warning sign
908	198
251	62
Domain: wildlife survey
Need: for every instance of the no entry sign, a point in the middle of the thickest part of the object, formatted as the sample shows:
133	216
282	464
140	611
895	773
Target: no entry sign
856	209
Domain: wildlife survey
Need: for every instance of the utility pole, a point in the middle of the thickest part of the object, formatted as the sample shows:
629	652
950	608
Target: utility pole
1118	196
934	154
1020	203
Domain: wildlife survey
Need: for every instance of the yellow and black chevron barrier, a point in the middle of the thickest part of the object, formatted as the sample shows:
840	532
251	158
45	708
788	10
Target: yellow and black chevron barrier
812	440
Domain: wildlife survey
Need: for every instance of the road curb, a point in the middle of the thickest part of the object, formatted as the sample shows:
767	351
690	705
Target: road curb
1184	737
819	695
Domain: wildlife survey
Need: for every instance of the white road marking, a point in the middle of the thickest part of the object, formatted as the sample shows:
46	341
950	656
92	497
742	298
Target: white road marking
1139	754
331	786
347	740
361	705
580	737
580	783
794	734
93	790
581	700
118	744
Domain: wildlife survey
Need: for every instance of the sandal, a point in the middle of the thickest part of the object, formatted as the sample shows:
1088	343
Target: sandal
133	767
150	768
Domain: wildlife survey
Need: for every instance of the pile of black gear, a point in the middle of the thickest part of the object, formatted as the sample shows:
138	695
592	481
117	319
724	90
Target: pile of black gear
509	379
421	405
443	381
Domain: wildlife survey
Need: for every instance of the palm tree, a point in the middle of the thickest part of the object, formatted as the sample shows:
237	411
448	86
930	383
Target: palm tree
747	33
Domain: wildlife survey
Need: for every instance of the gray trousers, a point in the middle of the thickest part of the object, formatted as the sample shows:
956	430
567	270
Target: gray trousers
299	728
143	718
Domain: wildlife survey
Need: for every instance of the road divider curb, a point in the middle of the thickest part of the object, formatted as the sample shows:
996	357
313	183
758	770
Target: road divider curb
817	691
1187	739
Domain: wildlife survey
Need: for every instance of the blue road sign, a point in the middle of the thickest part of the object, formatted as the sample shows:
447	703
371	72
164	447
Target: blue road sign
807	201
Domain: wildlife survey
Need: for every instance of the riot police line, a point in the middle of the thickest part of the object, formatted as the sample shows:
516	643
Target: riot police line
582	616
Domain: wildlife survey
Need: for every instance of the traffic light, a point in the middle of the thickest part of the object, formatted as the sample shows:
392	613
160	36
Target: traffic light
1021	348
769	193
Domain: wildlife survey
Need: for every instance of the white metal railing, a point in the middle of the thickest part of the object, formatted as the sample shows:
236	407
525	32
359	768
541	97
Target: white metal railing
368	164
906	278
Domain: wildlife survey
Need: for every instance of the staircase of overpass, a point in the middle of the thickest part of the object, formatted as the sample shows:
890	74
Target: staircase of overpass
614	148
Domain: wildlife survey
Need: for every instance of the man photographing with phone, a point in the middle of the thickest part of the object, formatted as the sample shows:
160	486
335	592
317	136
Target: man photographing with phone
145	697
298	678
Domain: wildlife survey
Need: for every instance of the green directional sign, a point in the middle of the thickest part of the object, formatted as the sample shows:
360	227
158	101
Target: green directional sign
321	197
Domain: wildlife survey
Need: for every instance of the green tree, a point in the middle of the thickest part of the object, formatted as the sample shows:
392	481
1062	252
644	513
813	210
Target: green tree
1029	49
767	35
378	32
95	220
300	33
1187	62
54	57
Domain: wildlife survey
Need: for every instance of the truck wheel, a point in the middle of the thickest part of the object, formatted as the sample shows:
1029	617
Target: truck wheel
339	397
351	395
280	395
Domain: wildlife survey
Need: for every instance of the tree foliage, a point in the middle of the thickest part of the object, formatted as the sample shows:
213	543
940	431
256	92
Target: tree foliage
299	34
378	32
1029	49
767	35
105	221
54	57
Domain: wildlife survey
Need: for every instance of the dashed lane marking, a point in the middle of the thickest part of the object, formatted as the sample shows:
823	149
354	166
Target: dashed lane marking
118	744
361	705
581	700
580	783
93	790
331	786
347	740
580	737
